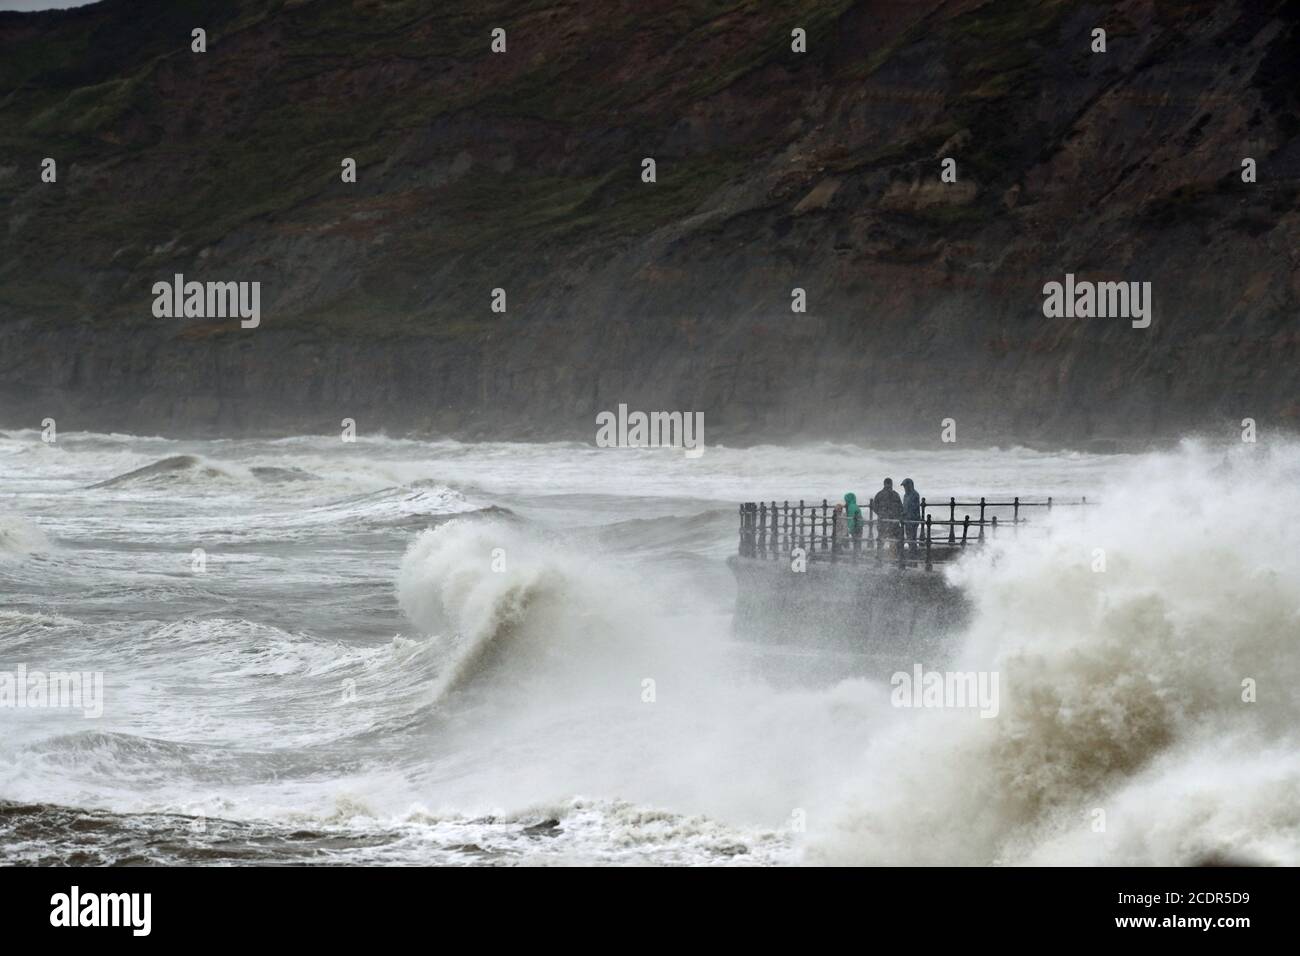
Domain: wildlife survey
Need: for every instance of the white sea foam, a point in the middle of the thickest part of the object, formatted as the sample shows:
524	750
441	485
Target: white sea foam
518	695
1122	690
19	536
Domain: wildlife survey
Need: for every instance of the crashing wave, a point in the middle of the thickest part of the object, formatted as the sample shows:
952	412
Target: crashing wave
1149	710
173	469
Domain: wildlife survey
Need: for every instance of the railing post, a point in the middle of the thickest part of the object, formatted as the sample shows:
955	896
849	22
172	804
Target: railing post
902	545
825	524
774	542
835	541
774	531
995	526
965	529
952	520
929	565
803	542
1015	516
1049	504
981	516
752	508
785	542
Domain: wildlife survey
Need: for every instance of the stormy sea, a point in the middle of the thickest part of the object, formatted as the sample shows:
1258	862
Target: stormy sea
410	652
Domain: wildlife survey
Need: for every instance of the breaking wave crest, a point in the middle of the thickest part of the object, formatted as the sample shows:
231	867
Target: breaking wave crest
171	470
188	469
392	507
507	604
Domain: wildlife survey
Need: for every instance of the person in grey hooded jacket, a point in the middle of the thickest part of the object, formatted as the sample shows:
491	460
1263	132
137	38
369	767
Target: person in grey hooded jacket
911	509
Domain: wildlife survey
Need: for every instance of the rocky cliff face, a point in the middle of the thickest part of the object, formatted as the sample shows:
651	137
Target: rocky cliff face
775	170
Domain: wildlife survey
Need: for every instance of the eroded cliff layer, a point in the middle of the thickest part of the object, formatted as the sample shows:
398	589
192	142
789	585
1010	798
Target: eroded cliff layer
775	170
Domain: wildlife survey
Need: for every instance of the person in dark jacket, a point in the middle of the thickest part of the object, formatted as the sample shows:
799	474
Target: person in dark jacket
911	510
889	509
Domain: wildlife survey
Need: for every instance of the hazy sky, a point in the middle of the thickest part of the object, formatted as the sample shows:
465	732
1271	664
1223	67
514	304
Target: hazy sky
41	4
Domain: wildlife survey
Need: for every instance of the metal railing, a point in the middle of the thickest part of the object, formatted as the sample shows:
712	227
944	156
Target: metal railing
774	531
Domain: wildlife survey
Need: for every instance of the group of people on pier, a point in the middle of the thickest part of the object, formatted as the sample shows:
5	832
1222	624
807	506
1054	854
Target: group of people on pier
897	518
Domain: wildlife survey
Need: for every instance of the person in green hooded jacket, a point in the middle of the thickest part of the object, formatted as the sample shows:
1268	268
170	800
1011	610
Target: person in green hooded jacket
852	516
